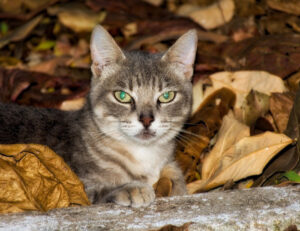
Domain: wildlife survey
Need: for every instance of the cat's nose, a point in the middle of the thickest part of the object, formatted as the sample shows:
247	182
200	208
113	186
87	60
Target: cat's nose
146	120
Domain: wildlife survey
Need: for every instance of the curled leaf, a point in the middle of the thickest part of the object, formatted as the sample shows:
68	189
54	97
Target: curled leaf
33	177
245	158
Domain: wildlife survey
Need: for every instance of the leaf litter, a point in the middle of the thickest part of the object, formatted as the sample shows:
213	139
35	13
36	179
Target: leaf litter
244	127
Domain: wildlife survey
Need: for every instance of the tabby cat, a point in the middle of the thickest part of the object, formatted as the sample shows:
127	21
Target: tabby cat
122	141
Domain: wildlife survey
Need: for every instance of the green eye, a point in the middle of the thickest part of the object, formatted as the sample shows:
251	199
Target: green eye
122	96
166	97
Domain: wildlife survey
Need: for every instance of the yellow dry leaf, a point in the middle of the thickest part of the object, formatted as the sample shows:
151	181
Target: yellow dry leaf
33	177
242	82
197	96
209	17
77	16
245	158
230	133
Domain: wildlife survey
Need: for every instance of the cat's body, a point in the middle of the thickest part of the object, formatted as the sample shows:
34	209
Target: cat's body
122	141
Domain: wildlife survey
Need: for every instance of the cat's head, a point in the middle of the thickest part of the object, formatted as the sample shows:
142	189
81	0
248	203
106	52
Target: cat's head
140	97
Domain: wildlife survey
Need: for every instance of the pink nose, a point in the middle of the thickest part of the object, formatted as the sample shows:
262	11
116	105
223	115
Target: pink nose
146	120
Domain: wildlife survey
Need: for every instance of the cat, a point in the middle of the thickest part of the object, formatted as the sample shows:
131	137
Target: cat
122	141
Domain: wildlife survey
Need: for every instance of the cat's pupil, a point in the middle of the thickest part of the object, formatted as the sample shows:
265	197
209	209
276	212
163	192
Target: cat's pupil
166	95
122	95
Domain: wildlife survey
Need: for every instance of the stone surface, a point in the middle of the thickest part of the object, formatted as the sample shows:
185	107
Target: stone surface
253	209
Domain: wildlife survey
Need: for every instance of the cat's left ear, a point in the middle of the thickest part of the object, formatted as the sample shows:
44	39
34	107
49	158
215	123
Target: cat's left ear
181	56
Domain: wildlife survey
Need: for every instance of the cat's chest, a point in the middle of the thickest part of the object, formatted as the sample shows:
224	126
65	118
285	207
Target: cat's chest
149	161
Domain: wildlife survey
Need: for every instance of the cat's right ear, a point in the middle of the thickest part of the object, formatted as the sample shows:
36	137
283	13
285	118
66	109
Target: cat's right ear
181	55
104	50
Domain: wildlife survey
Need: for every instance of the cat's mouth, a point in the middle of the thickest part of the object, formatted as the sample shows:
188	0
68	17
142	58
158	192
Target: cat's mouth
145	135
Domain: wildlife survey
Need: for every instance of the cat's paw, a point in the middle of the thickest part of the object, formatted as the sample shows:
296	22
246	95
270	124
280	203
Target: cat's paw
134	194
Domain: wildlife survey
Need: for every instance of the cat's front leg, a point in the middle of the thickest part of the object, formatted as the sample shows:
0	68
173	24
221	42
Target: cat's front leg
135	194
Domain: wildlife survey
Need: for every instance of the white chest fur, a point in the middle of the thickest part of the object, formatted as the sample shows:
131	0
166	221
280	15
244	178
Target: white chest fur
149	160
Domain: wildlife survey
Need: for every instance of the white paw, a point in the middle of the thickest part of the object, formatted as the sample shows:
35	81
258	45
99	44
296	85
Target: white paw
132	194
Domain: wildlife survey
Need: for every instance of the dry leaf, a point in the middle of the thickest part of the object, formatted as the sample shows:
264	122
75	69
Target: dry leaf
184	227
293	81
197	96
230	133
72	104
288	6
280	106
33	177
245	158
21	32
209	17
199	130
256	104
163	187
242	82
77	16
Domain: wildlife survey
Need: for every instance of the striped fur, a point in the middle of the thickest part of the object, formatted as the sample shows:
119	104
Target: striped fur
100	142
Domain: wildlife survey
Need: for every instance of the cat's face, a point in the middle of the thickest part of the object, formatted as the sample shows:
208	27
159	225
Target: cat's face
141	97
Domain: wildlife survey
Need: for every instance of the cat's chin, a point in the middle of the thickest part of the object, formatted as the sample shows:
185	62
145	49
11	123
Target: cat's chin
146	135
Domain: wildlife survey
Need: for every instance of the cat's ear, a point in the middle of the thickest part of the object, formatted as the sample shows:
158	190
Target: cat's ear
181	55
104	50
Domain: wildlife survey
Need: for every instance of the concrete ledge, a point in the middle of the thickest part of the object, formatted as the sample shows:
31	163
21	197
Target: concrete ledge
254	209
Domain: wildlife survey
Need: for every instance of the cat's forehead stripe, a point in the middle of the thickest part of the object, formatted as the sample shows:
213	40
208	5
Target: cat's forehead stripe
130	84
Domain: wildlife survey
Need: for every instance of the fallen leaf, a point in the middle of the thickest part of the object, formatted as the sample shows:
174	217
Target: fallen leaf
289	157
292	176
163	187
154	2
265	123
242	82
35	4
276	54
33	177
199	130
288	6
294	81
45	45
245	158
77	16
14	82
3	28
11	6
230	133
184	227
209	17
197	96
280	106
21	32
256	104
73	104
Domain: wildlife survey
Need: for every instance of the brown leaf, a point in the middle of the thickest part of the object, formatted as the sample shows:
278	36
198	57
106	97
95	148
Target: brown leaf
294	81
256	104
77	16
21	32
184	227
33	177
242	82
230	133
288	6
245	158
280	106
200	128
38	89
209	17
276	54
163	187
